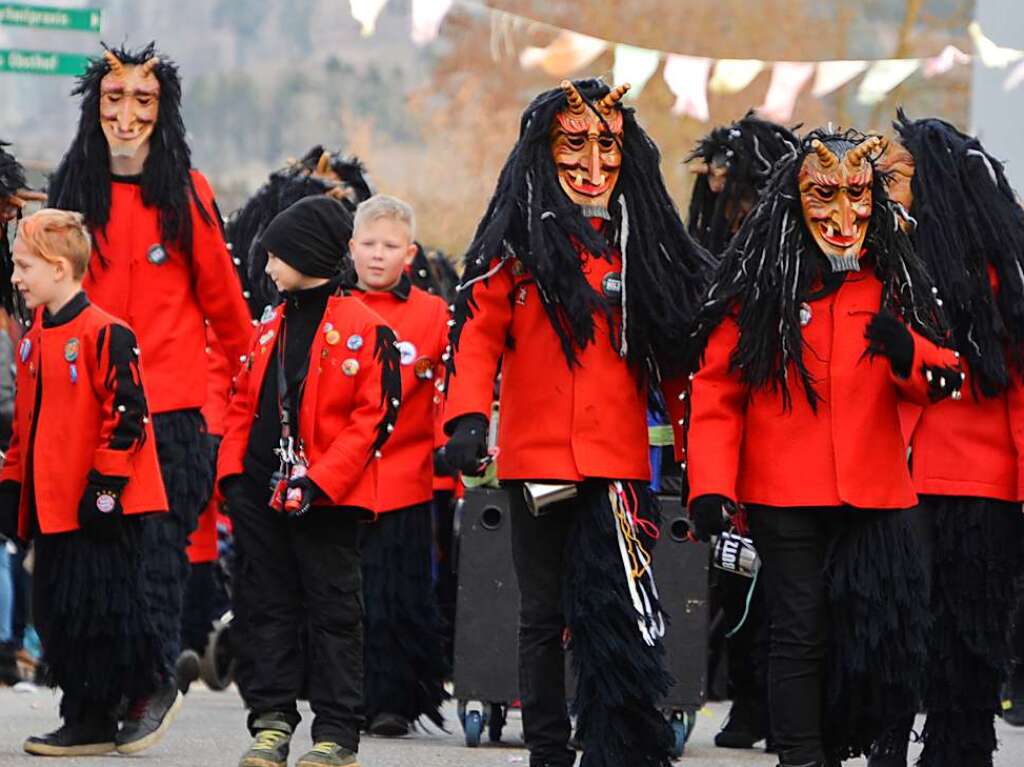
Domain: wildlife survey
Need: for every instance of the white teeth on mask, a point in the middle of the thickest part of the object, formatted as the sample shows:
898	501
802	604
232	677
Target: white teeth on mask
579	179
828	230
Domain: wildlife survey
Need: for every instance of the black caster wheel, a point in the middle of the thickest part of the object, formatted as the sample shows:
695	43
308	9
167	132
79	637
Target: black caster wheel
217	666
495	722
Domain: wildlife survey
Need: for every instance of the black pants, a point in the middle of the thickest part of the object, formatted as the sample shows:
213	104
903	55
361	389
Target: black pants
294	577
748	646
538	551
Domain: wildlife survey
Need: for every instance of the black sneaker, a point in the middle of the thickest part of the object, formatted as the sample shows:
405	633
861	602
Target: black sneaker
82	739
389	726
149	719
186	670
890	750
269	745
746	726
326	754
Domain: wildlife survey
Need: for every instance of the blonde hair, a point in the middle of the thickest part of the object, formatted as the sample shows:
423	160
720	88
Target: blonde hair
54	234
385	206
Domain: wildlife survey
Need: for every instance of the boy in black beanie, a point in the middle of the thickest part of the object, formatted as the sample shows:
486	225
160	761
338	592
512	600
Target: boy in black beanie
312	406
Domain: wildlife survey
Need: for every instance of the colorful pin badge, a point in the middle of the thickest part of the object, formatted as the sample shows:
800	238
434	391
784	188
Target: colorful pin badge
350	367
805	314
407	351
332	338
25	349
71	349
424	368
156	254
105	503
268	314
328	327
74	373
354	342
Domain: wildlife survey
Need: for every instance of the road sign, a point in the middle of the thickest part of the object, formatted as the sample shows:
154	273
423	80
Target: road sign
43	62
50	17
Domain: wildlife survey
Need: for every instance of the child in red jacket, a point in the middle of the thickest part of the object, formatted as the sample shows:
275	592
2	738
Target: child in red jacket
405	664
81	468
313	404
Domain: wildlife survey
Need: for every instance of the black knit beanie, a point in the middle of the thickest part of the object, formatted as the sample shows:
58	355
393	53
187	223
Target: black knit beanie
311	236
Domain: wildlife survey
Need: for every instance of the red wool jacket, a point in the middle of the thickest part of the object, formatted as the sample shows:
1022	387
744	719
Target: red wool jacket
77	426
165	296
743	445
556	422
342	409
420	320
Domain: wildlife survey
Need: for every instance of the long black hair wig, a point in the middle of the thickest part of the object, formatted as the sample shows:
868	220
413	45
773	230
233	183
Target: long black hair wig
968	224
749	149
530	218
773	264
82	179
12	178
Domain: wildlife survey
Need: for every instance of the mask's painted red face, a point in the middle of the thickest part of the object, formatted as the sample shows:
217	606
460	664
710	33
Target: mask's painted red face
586	149
129	104
836	197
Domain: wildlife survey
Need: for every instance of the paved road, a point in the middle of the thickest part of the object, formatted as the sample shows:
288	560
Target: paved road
209	732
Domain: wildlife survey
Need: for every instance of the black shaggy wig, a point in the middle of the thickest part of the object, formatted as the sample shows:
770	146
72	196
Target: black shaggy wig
12	178
532	219
749	148
773	264
285	186
968	223
82	180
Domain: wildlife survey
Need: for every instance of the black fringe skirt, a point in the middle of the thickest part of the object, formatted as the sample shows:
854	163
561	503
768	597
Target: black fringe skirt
99	643
613	622
976	558
405	664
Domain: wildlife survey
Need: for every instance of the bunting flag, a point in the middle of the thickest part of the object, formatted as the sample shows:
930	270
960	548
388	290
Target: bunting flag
788	79
950	57
1015	78
833	75
366	13
992	55
884	76
687	78
634	66
733	75
427	16
568	53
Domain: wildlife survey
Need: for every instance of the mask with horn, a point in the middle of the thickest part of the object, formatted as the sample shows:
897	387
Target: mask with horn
586	145
835	194
129	104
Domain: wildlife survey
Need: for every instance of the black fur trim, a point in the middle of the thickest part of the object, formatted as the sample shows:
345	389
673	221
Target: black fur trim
387	354
405	664
620	678
124	380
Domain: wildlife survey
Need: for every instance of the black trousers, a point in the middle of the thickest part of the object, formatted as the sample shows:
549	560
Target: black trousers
748	647
298	577
538	551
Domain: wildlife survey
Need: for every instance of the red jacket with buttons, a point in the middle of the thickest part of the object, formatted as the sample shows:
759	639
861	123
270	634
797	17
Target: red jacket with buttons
556	422
74	426
743	445
202	545
343	409
420	320
165	296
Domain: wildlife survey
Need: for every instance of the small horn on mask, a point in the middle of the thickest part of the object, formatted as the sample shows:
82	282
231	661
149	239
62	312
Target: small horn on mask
323	165
856	156
116	67
825	156
576	104
150	64
609	102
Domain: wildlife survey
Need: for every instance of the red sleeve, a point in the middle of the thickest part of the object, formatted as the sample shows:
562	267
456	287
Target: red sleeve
717	414
218	389
214	278
1015	405
118	386
481	343
236	420
341	466
915	387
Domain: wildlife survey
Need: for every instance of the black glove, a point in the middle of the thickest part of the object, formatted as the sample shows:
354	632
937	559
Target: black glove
709	515
889	337
100	510
441	466
310	492
231	490
10	500
468	444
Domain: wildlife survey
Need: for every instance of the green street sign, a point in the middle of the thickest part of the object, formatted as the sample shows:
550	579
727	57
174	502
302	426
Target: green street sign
49	17
43	62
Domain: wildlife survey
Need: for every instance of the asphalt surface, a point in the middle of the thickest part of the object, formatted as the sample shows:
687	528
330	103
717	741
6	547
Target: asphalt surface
210	731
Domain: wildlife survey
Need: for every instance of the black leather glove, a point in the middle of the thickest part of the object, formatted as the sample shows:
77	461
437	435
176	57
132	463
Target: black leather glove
468	444
231	490
709	515
441	465
100	511
10	499
889	337
310	492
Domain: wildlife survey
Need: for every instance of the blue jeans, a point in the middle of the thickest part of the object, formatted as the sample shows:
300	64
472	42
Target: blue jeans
6	593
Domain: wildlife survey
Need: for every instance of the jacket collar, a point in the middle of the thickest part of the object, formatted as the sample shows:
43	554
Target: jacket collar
66	313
